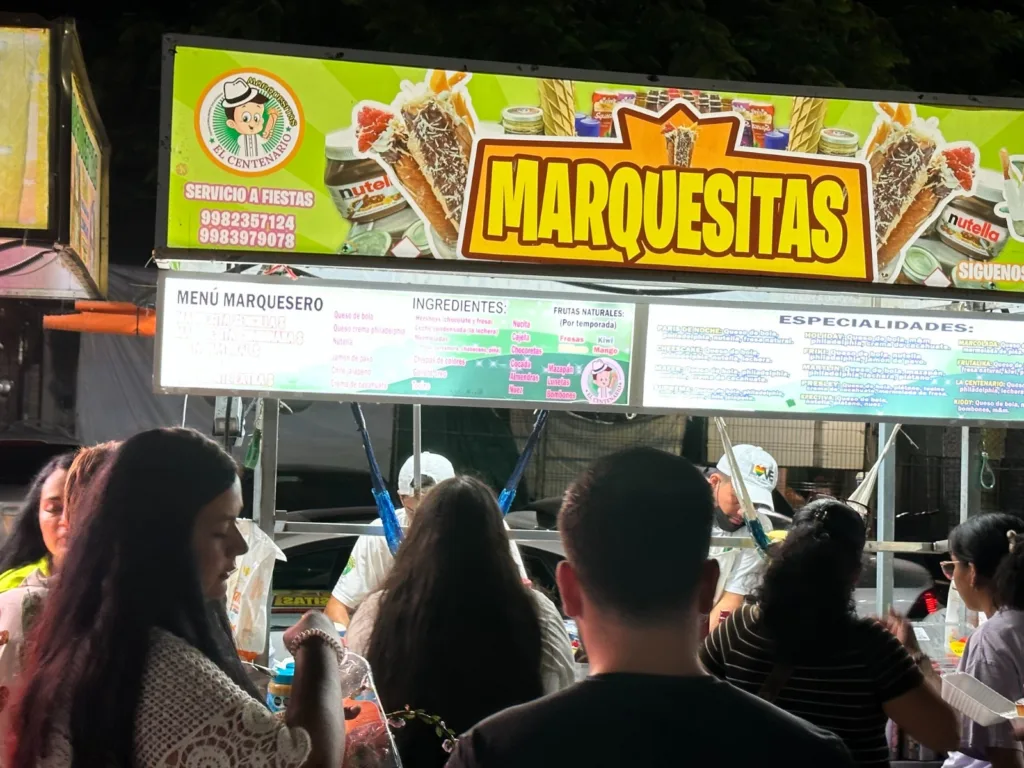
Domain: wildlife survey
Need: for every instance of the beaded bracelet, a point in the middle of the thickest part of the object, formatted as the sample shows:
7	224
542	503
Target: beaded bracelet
308	634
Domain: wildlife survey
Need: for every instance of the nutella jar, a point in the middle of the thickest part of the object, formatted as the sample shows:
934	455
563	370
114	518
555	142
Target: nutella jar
971	226
838	142
359	186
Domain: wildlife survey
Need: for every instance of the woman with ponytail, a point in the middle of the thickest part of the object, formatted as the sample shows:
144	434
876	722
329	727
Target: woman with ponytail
802	647
988	571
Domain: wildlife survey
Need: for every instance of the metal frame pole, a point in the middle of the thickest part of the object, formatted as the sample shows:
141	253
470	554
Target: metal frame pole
970	488
264	491
417	447
886	521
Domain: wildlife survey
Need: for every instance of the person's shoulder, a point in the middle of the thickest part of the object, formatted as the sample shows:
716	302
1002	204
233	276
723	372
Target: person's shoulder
531	733
873	638
32	590
170	655
535	733
747	623
546	608
173	664
867	629
13	596
366	613
371	544
778	732
992	637
167	645
519	725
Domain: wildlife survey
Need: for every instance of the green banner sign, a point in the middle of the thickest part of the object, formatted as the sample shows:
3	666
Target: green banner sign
323	340
283	154
86	190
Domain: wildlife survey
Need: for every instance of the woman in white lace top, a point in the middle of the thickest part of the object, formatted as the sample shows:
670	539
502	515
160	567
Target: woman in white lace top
132	663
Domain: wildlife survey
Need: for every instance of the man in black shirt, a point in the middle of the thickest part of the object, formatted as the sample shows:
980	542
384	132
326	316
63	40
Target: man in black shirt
636	529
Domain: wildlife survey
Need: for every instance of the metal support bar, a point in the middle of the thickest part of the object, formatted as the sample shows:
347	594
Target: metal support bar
264	489
735	542
417	447
970	489
886	518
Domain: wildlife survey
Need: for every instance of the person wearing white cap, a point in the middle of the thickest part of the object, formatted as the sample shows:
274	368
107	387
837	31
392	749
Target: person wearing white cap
371	559
740	569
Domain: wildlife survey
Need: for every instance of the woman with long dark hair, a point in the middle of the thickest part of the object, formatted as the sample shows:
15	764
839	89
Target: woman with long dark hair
129	664
988	571
20	606
455	632
801	645
35	537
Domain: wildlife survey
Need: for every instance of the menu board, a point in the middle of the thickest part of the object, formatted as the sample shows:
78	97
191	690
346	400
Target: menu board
326	154
871	365
324	340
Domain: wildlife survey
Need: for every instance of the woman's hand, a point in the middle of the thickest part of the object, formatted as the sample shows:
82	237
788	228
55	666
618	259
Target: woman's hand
311	620
901	629
316	691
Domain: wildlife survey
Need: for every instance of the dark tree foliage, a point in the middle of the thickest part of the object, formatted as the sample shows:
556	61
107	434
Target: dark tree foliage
972	46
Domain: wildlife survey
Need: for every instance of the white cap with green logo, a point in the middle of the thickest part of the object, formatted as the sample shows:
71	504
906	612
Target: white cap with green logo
759	470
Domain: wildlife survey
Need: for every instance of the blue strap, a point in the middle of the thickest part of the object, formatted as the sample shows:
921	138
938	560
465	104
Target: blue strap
385	507
508	493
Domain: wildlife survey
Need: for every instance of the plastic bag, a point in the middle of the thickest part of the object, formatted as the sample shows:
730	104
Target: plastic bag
368	740
249	588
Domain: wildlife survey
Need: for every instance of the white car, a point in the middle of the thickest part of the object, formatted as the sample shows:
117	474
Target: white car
315	563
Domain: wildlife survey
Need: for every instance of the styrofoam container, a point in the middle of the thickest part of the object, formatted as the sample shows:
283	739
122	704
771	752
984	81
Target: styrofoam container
975	700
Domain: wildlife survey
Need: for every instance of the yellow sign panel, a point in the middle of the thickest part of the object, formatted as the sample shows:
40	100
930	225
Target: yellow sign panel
25	128
300	601
675	191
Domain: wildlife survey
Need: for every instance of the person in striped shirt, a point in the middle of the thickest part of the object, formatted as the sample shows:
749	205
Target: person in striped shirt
801	645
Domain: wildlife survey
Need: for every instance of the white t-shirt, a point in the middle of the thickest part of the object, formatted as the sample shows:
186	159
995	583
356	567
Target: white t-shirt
368	566
741	569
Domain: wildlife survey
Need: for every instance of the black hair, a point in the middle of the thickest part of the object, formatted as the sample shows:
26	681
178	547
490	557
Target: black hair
134	570
457	632
426	483
807	591
229	112
994	544
24	544
649	509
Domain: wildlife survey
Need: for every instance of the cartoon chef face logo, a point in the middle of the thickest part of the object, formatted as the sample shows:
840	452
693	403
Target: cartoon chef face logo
249	122
602	381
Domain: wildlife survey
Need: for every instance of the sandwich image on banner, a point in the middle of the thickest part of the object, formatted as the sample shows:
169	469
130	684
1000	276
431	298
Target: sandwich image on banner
913	170
424	137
